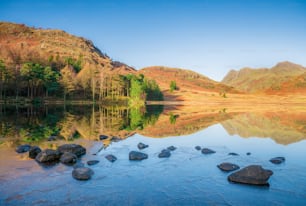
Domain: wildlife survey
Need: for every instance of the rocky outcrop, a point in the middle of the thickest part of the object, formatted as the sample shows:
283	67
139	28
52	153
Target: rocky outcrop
34	151
68	158
76	149
23	148
48	155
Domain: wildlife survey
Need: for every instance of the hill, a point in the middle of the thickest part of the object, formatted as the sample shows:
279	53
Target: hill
187	82
264	79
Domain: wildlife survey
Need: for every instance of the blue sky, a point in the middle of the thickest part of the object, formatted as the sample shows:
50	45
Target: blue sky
210	37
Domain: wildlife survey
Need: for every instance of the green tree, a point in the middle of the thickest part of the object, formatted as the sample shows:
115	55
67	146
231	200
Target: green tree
173	86
50	78
4	76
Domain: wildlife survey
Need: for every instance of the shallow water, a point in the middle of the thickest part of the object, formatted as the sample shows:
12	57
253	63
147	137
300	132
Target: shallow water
186	178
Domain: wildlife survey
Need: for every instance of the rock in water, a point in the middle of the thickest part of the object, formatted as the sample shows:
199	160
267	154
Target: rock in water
198	148
92	162
34	151
103	137
76	149
248	153
142	145
23	148
48	155
277	160
164	153
207	151
253	174
111	158
233	154
78	164
171	148
68	158
228	167
134	155
82	173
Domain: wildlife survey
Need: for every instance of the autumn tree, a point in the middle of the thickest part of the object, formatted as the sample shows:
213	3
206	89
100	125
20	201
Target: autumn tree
67	80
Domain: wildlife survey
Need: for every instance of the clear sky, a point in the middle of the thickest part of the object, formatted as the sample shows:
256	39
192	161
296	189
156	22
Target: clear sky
207	36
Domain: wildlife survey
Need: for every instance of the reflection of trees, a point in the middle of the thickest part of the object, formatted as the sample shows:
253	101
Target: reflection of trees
89	122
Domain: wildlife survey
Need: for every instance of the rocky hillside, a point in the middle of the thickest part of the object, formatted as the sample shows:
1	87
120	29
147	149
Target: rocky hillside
20	44
263	80
186	80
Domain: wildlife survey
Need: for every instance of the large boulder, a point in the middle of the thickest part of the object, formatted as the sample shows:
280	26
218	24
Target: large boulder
34	151
165	153
48	155
142	145
277	160
76	149
228	167
134	155
82	173
23	148
68	158
207	151
253	174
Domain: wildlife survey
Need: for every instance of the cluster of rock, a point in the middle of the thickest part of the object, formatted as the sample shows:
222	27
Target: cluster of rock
252	174
68	154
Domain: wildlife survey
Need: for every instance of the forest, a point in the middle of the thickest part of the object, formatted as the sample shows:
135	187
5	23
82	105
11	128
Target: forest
32	81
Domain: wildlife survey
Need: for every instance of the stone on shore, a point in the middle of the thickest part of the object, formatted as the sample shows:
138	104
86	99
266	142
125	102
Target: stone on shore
34	151
82	173
103	137
134	155
23	148
253	174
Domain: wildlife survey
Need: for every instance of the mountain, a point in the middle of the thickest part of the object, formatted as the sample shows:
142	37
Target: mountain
20	44
186	81
264	79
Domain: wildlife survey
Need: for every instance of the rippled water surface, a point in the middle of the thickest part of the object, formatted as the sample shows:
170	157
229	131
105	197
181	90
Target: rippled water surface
186	178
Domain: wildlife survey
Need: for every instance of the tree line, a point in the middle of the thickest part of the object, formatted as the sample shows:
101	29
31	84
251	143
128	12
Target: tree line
73	81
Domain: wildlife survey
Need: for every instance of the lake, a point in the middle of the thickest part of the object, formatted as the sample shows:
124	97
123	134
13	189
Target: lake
187	177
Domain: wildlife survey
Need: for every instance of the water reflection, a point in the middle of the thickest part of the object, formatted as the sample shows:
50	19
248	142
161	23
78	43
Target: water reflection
37	124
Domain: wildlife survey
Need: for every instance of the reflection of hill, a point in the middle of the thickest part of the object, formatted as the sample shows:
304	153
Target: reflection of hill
185	123
282	127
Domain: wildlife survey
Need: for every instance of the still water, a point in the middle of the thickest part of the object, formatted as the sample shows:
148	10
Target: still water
186	178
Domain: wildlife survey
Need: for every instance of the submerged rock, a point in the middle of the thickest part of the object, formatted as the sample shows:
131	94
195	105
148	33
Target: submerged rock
253	174
171	148
78	164
76	149
111	158
23	148
233	154
48	155
198	148
92	162
68	158
34	151
248	153
103	137
207	151
134	155
142	145
228	167
277	160
164	153
82	173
